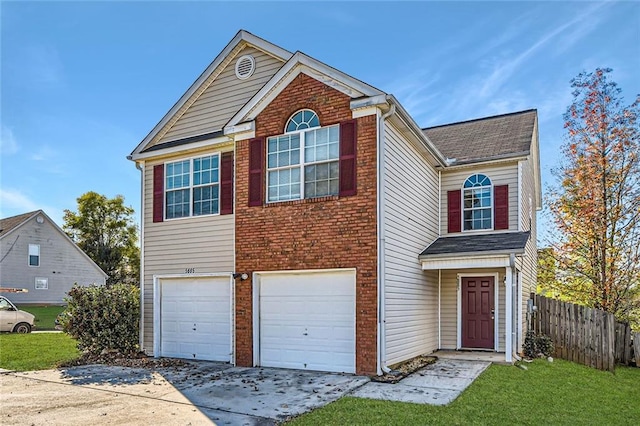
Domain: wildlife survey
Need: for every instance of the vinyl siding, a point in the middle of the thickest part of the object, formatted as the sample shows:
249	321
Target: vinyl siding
61	263
499	175
449	305
528	265
204	243
411	222
224	97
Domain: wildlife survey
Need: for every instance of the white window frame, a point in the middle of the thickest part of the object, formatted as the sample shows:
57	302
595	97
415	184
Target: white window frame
191	186
302	163
491	206
35	247
41	280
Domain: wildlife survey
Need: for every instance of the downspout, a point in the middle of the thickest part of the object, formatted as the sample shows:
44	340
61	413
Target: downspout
514	302
439	309
382	346
140	166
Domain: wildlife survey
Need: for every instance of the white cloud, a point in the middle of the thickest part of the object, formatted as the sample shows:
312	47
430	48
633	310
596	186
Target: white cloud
11	199
14	202
8	143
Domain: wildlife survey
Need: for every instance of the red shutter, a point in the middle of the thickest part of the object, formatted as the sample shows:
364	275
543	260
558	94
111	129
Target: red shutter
501	207
158	193
256	175
454	199
226	183
348	139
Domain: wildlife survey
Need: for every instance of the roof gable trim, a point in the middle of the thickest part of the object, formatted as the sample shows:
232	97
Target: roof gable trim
300	63
241	39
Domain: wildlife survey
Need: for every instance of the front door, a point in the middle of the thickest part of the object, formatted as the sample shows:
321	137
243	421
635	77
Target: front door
478	312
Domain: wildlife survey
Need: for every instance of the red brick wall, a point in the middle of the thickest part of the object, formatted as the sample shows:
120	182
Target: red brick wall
328	232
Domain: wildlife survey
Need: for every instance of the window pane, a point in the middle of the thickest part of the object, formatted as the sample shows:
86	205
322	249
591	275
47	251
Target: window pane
177	203
321	179
205	200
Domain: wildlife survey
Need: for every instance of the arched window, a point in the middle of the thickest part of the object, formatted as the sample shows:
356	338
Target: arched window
303	119
476	202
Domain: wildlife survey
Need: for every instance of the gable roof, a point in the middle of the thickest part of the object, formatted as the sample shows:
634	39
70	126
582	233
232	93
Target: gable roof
506	242
10	223
241	38
483	139
301	63
13	223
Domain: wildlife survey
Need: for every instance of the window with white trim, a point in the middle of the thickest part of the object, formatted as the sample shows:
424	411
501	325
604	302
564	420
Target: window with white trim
304	162
476	203
42	283
34	254
192	187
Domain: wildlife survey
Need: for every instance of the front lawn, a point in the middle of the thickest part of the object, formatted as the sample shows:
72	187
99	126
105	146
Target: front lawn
40	351
45	315
547	393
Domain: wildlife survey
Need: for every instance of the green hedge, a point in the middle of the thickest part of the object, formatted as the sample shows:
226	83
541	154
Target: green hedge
103	318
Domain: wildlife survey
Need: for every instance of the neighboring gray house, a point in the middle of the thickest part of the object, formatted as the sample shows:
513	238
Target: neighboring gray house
37	255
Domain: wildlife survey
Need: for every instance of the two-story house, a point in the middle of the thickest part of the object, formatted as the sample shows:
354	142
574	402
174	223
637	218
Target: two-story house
294	216
37	256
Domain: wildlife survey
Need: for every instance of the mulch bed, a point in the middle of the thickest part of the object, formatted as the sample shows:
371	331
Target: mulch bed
135	360
400	371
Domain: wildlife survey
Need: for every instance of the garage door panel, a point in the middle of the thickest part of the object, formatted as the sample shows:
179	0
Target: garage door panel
196	318
307	321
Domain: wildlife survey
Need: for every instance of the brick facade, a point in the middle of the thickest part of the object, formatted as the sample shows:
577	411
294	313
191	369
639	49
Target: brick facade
321	233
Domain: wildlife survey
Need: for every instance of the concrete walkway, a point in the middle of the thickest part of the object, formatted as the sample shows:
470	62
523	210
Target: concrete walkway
437	384
198	393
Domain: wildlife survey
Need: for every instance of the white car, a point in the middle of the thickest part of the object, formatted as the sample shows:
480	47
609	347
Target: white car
13	319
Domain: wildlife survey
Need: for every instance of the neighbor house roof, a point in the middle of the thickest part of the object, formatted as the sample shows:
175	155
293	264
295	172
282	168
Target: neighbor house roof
509	242
10	223
501	136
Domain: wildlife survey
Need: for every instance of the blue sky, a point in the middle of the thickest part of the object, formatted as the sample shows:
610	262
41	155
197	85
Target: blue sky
82	83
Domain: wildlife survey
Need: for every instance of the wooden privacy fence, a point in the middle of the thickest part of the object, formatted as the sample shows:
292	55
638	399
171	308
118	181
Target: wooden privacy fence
584	335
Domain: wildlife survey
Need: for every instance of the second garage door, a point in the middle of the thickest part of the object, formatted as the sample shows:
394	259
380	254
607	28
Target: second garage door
195	318
307	320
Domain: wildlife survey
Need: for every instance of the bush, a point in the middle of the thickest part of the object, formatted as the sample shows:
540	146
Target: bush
537	345
103	318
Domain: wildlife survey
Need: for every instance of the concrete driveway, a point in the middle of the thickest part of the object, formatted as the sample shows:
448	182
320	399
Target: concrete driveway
195	394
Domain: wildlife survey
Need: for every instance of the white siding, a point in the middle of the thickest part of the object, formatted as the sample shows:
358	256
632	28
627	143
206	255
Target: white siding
529	263
500	175
61	263
224	97
204	243
411	223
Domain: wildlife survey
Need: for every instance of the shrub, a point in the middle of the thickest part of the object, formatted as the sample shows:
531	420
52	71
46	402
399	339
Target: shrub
103	318
537	345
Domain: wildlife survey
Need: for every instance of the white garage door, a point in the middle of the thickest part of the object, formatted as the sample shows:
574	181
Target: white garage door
195	318
307	321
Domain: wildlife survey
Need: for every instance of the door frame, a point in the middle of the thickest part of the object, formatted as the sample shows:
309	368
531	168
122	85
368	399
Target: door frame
157	303
496	303
255	280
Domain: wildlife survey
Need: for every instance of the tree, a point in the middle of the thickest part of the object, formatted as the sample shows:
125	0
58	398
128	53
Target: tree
597	205
105	230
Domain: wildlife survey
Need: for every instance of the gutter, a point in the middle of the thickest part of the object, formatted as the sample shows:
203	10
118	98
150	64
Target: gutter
382	346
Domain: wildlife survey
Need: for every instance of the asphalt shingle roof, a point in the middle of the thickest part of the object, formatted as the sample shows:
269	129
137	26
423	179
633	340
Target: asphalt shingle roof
505	241
501	136
9	223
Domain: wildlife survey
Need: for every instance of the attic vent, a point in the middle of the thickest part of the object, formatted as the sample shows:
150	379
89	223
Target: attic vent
245	67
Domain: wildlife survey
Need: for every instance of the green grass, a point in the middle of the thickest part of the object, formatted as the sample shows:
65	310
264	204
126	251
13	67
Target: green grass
45	315
558	393
40	351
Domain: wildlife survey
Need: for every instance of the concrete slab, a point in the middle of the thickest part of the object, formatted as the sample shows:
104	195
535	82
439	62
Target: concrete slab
437	384
217	392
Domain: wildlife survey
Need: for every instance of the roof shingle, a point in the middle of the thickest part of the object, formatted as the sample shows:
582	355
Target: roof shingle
480	244
8	224
501	136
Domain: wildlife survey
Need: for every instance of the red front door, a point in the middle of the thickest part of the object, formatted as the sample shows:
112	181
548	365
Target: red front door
477	312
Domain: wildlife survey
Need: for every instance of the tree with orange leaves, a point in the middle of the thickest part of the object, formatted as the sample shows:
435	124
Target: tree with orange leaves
596	206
